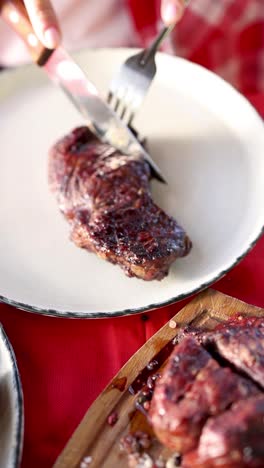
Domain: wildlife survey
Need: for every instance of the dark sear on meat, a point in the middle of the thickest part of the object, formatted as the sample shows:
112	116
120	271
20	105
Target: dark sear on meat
234	439
206	390
106	198
242	344
209	402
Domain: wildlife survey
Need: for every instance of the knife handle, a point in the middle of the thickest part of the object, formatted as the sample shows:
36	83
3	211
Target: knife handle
15	15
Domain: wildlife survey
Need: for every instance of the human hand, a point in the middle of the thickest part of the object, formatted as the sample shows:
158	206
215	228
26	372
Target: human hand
44	22
172	10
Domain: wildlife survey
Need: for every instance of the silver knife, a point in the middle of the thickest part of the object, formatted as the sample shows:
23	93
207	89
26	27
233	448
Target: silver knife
62	69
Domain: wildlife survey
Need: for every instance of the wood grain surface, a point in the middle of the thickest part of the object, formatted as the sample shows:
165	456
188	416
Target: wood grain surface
94	437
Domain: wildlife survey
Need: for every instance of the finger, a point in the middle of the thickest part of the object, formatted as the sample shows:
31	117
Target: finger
172	10
44	22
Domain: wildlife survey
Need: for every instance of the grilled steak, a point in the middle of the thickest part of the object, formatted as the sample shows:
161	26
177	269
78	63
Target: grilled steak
241	343
232	440
183	366
107	200
192	388
209	402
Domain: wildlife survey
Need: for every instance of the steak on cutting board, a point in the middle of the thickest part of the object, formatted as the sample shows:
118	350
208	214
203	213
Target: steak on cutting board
209	402
207	389
234	439
241	343
106	197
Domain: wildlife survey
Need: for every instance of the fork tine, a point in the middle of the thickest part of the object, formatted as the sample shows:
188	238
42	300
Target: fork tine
127	114
137	73
116	103
126	100
131	84
123	112
109	97
124	103
131	118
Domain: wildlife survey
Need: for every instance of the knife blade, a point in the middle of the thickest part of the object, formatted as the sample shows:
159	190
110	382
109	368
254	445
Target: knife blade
100	117
67	74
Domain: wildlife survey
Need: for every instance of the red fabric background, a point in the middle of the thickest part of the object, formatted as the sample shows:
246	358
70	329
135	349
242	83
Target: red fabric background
64	364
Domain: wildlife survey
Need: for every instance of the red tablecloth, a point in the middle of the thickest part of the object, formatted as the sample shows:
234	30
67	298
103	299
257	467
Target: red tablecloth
64	364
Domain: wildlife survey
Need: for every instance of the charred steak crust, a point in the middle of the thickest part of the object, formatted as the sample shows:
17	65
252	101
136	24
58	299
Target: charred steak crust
192	388
208	403
106	197
234	439
241	343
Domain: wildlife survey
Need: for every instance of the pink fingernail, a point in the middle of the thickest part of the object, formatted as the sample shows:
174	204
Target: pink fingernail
170	13
51	38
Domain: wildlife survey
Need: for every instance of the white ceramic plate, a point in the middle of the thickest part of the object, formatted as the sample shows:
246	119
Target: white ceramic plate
209	143
11	406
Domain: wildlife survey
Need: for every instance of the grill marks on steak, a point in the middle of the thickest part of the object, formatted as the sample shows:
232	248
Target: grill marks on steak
242	344
177	378
203	407
107	200
234	439
190	392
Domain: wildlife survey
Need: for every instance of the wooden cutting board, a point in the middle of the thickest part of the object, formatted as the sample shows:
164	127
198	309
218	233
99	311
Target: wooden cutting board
94	437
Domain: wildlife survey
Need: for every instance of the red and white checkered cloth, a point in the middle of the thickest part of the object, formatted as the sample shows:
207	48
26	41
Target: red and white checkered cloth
226	36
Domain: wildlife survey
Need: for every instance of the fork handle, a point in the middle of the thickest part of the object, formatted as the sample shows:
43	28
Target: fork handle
15	15
152	49
156	43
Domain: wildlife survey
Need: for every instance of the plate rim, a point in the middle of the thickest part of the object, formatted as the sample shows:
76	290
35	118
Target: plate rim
152	306
19	400
130	311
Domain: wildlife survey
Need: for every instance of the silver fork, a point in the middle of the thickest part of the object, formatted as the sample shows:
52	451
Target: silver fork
131	84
